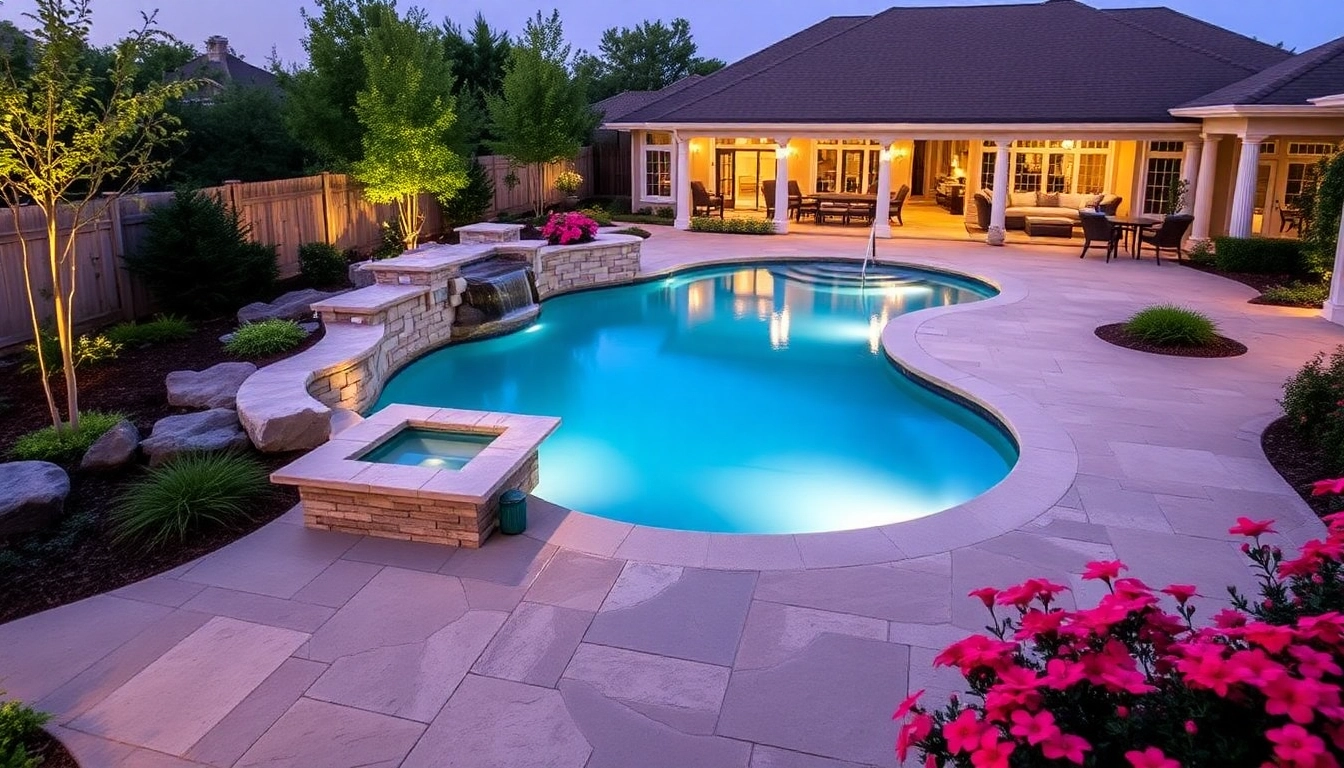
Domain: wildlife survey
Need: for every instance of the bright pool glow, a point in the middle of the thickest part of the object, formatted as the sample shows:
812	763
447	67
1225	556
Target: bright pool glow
746	399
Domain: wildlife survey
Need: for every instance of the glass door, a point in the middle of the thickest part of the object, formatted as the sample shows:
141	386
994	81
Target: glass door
851	170
724	173
1264	184
1059	172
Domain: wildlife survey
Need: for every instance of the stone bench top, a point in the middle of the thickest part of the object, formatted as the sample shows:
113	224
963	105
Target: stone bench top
375	298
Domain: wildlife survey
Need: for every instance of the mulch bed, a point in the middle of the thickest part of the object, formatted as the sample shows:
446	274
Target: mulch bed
1300	462
79	560
1260	283
52	752
1116	334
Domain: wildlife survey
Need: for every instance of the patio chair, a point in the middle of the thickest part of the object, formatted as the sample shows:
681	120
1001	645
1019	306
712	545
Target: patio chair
898	202
863	210
1168	234
702	200
832	210
800	205
1098	229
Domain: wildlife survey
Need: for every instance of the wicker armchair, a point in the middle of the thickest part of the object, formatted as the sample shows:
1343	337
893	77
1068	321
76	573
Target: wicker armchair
1098	229
1168	234
898	202
799	204
702	200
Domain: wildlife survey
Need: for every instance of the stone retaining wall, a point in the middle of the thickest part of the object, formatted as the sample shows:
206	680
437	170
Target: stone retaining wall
411	518
372	332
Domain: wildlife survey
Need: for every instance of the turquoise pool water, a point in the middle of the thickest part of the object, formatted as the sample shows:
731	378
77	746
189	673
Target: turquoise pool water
438	449
745	399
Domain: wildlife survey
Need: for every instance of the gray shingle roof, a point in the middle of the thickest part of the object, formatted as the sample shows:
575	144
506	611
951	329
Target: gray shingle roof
1203	35
232	70
1308	75
625	102
1056	61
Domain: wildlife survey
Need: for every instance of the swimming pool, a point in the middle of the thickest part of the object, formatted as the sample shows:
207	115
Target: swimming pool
744	399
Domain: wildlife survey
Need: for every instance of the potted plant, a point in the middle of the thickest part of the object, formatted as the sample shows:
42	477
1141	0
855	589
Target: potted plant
569	229
567	184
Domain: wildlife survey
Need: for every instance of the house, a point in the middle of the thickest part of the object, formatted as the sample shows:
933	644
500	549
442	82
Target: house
611	150
219	69
987	107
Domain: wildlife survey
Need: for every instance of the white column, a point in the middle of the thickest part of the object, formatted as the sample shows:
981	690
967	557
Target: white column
997	232
681	181
1208	167
1190	172
782	186
1334	306
882	216
1243	195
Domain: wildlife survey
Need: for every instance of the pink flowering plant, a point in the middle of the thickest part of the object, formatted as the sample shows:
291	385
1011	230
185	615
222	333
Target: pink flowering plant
1128	684
569	228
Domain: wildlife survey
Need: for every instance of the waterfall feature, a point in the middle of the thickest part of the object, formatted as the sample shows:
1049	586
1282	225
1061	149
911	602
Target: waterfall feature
501	296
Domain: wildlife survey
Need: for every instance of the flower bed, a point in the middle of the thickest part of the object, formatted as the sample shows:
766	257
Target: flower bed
569	229
1126	683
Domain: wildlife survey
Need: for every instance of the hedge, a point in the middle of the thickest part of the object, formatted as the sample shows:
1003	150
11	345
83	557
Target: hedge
733	226
1259	255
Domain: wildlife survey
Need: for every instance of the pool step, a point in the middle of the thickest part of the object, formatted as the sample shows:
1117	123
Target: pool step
842	273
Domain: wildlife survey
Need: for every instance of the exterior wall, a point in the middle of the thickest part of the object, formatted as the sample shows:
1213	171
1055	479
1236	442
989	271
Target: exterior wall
638	199
1229	153
412	518
1126	177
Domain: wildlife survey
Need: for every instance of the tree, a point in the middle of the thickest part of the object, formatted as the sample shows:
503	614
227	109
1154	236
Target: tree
240	134
479	58
60	149
646	57
161	56
407	112
320	99
541	114
1321	201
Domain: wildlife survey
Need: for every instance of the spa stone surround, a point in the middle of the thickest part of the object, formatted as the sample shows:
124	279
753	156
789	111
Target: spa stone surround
372	332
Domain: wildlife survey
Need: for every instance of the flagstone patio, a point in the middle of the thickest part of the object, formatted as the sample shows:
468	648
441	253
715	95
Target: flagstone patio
597	644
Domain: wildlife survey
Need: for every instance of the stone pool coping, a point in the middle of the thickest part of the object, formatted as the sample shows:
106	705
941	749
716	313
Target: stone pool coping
1045	469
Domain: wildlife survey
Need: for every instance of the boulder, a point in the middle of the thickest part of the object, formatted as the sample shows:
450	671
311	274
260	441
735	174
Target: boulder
215	387
214	430
291	306
281	424
469	315
360	277
34	496
116	448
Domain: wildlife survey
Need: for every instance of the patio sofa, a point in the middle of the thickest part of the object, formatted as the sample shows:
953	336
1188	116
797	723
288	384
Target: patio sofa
1041	205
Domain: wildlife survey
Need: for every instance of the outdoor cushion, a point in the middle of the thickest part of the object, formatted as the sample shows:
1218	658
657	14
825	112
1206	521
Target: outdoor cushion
1021	199
1047	199
1071	200
1044	211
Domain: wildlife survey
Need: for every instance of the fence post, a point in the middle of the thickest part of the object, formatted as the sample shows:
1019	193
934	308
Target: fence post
117	237
326	209
231	190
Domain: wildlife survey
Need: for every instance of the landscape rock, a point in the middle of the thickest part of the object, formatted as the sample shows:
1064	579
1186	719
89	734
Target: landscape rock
359	277
215	387
291	306
34	496
116	448
469	315
214	430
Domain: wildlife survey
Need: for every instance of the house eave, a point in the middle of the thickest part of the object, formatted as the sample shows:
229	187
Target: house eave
1251	110
920	130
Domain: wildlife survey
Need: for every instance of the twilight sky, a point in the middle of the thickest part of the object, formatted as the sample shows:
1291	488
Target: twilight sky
728	30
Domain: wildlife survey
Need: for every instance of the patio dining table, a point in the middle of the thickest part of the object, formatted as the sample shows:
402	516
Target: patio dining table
1133	225
842	197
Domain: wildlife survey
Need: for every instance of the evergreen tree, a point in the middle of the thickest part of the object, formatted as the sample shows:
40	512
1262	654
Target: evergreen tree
646	57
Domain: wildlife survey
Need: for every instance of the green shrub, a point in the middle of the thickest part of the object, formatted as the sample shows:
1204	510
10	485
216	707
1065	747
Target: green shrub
665	212
733	226
161	330
1201	253
268	337
186	495
1259	255
636	231
1320	202
67	446
600	215
197	261
19	725
390	242
1171	326
1297	293
322	264
471	202
89	351
1311	401
637	218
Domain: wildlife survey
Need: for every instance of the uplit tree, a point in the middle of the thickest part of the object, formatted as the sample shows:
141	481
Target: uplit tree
541	114
68	134
406	110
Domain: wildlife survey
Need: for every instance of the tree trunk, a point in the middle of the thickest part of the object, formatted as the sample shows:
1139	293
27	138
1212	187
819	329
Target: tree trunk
52	410
61	299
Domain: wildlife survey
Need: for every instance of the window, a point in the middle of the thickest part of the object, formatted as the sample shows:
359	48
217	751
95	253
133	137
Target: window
1171	147
1059	173
827	168
1298	176
1054	165
1310	149
657	165
1162	171
874	159
1268	148
1027	171
987	157
1091	174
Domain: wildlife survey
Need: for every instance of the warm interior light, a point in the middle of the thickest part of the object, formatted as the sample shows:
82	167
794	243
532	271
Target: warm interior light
902	152
1067	143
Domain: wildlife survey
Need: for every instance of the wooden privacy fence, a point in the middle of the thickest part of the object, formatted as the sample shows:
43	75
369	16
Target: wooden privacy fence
286	213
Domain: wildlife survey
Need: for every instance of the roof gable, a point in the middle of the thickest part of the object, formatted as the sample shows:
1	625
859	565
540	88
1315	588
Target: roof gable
1308	75
1056	61
231	70
618	105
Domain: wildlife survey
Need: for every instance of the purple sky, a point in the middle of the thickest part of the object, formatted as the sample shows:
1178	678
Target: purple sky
728	30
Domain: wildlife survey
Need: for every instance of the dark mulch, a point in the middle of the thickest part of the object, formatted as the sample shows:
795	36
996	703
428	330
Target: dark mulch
1300	462
1116	334
51	568
1260	283
52	752
1296	304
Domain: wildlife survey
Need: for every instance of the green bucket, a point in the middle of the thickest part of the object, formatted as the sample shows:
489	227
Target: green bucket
512	512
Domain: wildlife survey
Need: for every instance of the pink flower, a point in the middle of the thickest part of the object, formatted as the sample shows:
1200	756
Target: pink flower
1066	747
1151	757
1229	619
1251	528
1312	663
1039	623
963	734
1034	728
1204	667
1182	592
1295	747
912	732
1326	487
992	753
1191	728
1061	674
907	705
975	651
1327	627
1103	570
1298	699
986	595
1272	638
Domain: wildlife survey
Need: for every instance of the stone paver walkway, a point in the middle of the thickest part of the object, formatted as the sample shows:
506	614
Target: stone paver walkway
580	646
